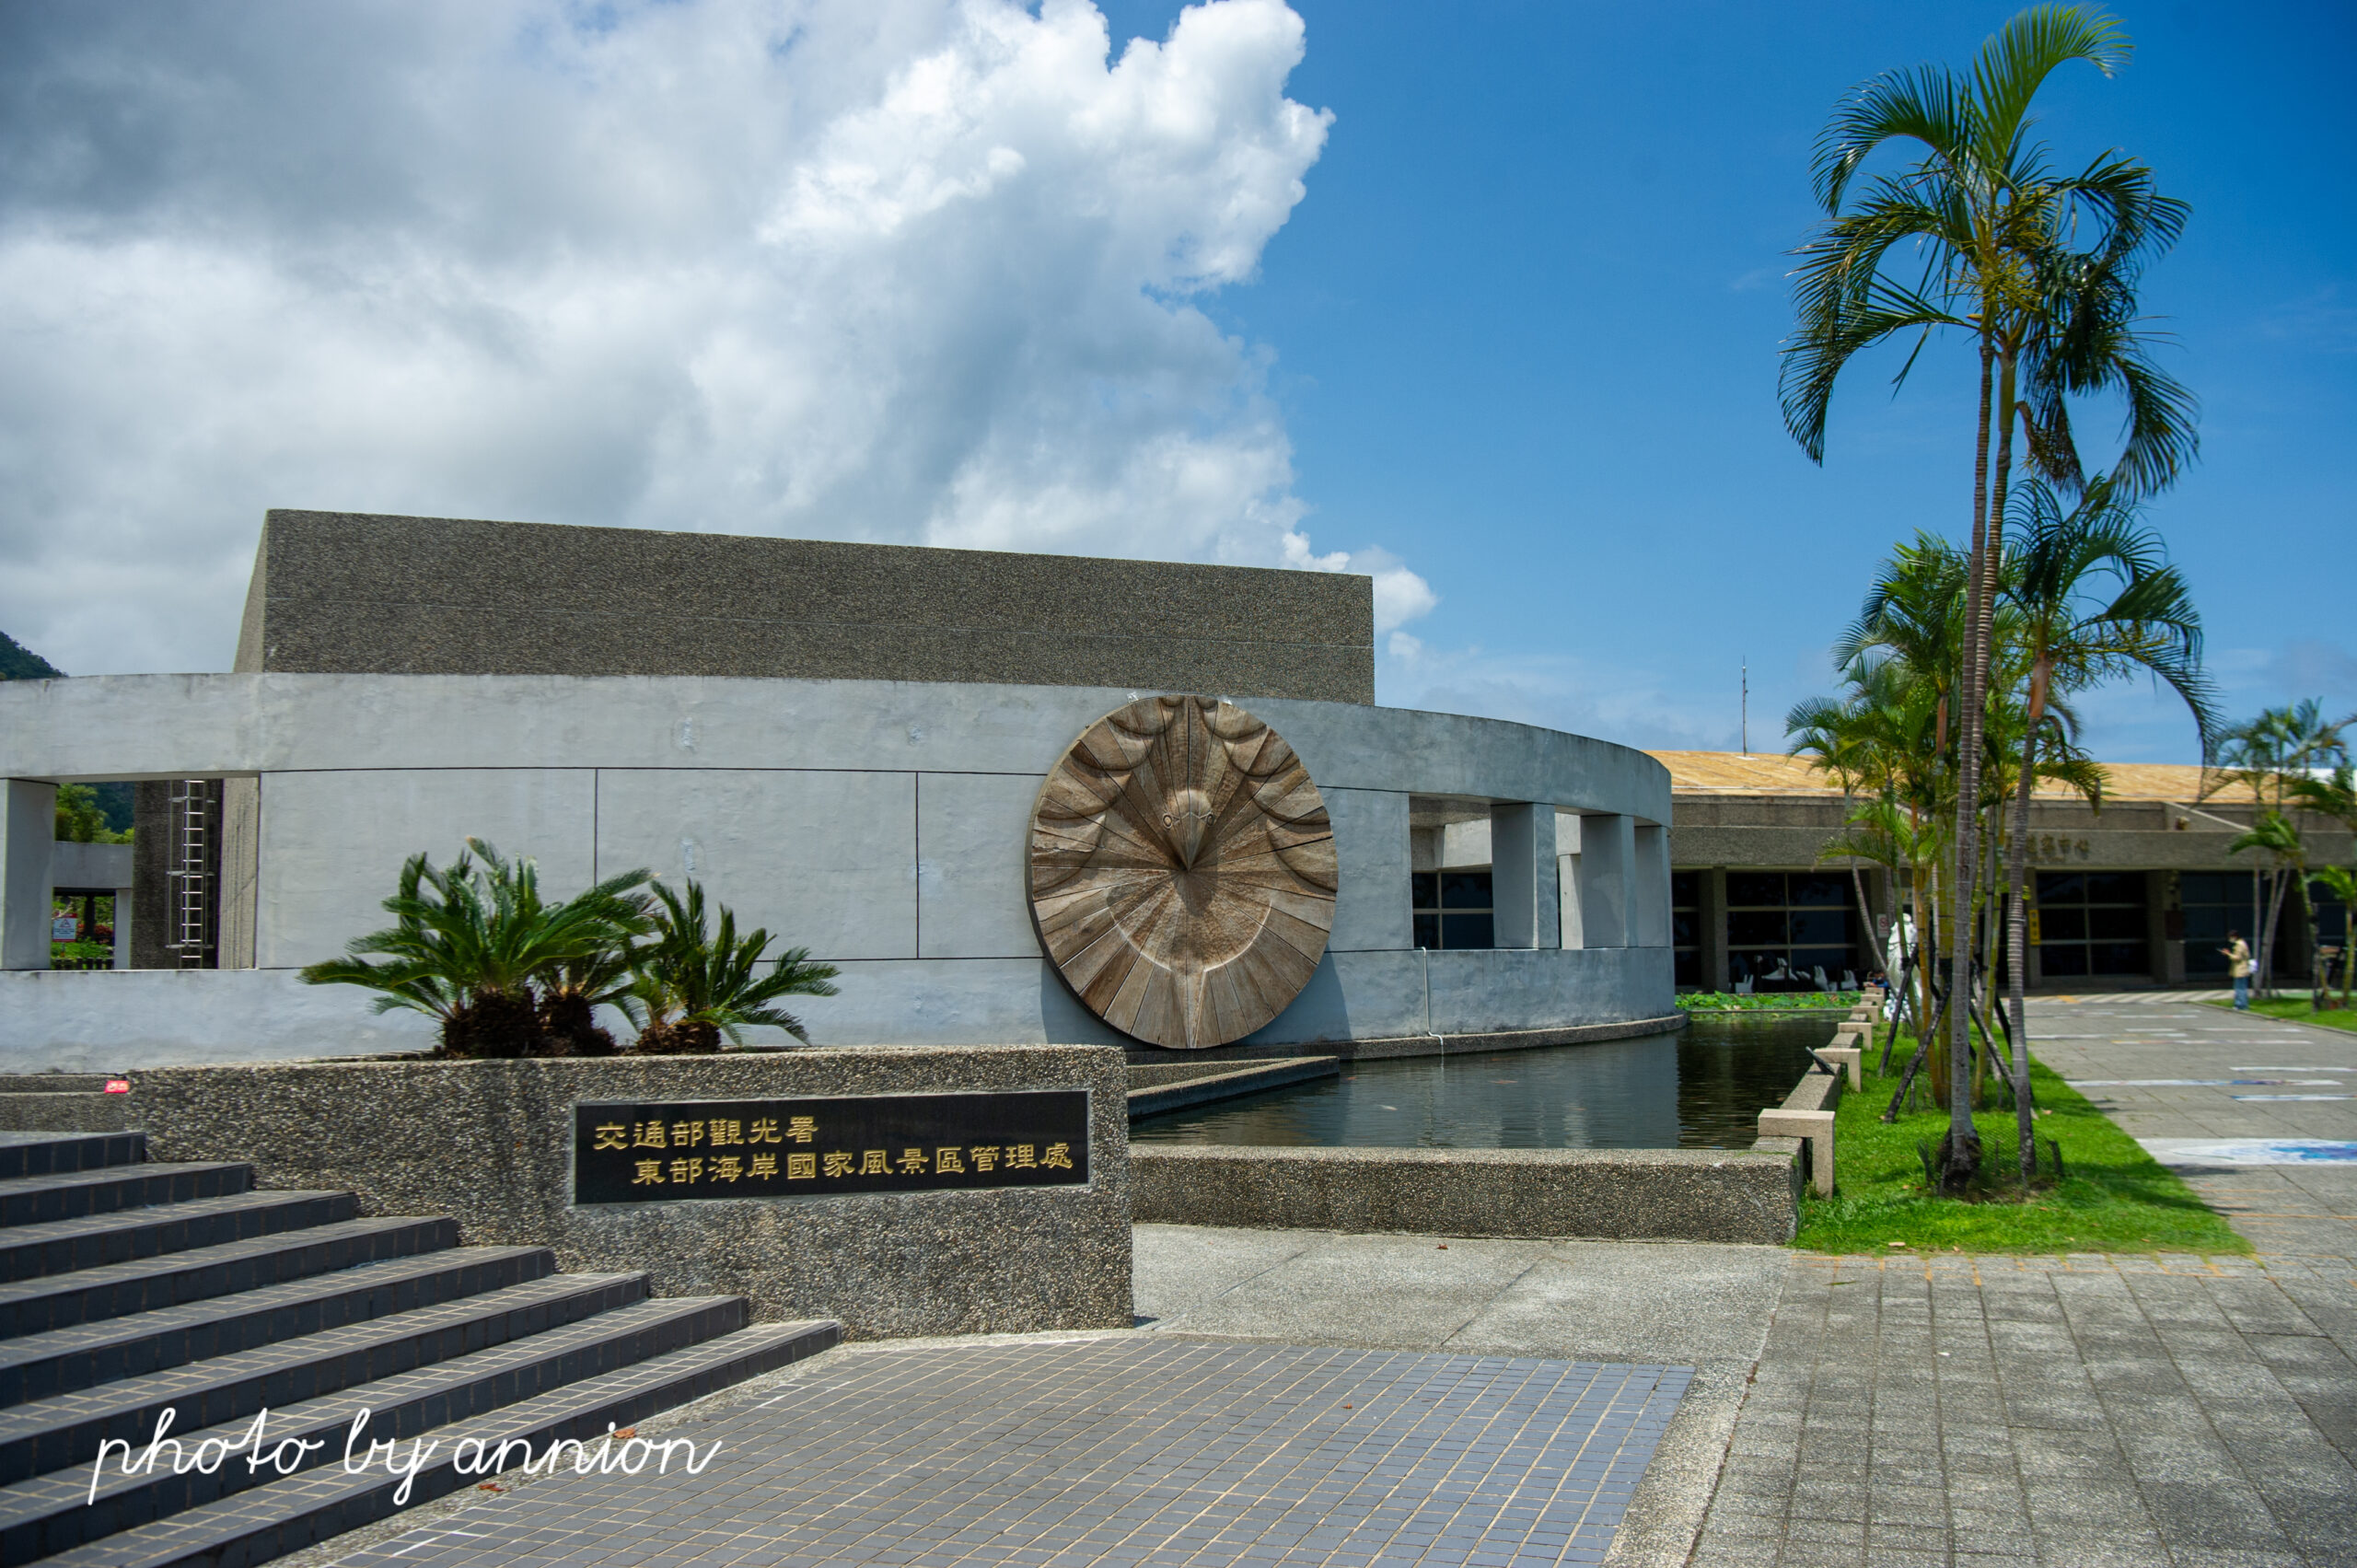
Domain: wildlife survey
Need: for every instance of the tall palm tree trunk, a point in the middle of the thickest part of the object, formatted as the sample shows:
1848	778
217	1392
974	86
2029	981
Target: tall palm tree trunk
1960	1152
2017	945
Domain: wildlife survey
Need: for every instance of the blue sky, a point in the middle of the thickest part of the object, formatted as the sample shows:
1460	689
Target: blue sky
1501	330
1525	328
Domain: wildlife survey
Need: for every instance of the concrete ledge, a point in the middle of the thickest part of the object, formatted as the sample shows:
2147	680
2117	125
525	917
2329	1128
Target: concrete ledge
1426	1045
1850	1058
491	1145
70	1111
1816	1128
1611	1194
1177	1095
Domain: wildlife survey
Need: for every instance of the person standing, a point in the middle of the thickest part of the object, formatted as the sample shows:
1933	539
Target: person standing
2237	952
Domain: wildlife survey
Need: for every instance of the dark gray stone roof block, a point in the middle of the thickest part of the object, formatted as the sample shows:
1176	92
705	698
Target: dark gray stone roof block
344	593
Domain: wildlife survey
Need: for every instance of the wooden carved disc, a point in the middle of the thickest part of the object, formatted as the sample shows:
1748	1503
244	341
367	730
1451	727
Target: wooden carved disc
1182	871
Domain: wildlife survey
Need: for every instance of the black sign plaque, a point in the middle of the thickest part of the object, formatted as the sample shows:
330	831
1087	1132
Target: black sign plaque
674	1151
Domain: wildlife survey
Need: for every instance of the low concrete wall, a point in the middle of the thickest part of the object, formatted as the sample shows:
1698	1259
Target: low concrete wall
490	1143
1613	1194
1173	1089
1427	1044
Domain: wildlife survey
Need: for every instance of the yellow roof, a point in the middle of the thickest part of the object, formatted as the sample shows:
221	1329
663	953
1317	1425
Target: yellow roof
1770	772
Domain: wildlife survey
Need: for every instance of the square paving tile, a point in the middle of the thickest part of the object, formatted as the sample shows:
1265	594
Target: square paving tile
1118	1451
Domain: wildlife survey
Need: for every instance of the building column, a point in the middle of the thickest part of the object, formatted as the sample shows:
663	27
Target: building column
1649	885
1712	914
1607	861
123	903
1526	908
27	832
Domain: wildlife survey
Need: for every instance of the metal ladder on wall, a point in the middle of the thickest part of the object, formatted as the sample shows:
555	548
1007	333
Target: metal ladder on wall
191	871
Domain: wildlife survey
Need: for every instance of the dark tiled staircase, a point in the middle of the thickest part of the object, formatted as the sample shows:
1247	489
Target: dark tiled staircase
129	1288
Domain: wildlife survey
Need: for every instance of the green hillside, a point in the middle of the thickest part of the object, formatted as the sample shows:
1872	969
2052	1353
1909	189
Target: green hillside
18	662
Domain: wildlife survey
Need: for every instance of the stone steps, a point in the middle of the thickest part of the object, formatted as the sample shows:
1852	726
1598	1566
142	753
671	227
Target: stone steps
58	1361
36	1200
145	1284
138	1302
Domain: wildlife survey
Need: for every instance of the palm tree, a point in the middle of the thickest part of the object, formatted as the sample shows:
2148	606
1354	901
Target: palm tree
1995	228
2092	599
2343	883
470	945
698	986
2272	755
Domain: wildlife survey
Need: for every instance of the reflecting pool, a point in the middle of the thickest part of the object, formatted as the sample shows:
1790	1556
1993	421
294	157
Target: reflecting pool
1701	1088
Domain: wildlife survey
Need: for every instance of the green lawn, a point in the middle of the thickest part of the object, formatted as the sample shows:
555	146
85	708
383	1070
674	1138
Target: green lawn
1767	1002
2296	1009
2114	1197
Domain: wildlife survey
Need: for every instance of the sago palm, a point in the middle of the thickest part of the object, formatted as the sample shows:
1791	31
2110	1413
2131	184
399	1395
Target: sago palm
2037	268
698	984
471	943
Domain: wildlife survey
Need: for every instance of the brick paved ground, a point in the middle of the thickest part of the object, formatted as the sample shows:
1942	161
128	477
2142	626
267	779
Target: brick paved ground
2089	1410
1116	1451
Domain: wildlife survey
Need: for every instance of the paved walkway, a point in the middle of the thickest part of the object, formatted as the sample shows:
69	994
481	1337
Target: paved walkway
2079	1410
1298	1397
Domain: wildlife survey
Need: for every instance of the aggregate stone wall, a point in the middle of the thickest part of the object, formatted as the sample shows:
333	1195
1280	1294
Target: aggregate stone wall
491	1145
342	593
1610	1194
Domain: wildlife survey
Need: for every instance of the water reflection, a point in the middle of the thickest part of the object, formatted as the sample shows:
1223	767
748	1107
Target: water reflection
1698	1089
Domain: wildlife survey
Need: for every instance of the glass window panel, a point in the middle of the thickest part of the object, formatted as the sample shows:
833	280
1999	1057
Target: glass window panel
1427	890
1428	931
1464	891
2201	888
1747	890
2057	962
2116	888
1832	961
2203	958
1755	928
2332	924
2119	958
1466	931
1822	928
2116	925
2206	924
1686	889
1690	967
1685	928
2062	887
1820	890
2063	924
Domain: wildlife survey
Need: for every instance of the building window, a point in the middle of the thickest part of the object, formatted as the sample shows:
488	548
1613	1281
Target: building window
1784	926
1453	910
2091	922
2218	902
1686	926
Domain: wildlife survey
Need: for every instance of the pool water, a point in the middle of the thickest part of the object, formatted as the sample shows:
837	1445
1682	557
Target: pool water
1701	1088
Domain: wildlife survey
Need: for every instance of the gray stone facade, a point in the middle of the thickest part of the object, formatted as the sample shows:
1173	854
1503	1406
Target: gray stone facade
347	593
490	1144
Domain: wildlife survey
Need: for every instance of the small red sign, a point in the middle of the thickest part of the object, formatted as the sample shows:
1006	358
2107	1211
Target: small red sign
118	1086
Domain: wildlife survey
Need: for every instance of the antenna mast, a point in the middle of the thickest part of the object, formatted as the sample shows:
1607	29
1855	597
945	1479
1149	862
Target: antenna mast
1746	705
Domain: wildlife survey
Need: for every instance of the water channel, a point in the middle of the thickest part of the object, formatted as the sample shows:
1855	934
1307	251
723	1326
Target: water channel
1701	1088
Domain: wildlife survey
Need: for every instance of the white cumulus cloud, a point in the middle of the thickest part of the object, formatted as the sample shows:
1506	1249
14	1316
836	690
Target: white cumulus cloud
919	271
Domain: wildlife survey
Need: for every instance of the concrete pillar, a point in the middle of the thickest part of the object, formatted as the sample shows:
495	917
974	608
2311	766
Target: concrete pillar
1649	885
1567	928
1713	916
1522	875
28	830
123	903
1608	857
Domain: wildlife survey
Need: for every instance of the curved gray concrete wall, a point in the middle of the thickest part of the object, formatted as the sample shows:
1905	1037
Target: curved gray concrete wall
881	824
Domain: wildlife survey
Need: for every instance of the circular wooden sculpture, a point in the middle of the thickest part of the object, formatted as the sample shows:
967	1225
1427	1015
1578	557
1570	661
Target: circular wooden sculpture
1182	871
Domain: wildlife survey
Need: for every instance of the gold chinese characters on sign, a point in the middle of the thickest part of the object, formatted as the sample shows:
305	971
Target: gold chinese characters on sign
1182	871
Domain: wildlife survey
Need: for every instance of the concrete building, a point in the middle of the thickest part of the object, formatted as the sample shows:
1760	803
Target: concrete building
842	742
2141	893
